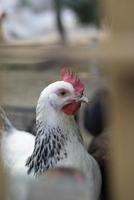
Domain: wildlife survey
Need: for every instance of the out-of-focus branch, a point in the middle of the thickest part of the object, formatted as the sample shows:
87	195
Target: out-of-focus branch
59	23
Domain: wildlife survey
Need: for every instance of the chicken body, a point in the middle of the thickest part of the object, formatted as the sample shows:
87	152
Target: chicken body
58	141
16	145
77	157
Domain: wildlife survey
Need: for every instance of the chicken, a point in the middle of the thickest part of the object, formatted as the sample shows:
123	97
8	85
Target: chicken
95	119
16	145
58	141
100	150
96	123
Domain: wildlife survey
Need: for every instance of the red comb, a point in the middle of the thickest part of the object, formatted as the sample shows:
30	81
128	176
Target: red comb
70	77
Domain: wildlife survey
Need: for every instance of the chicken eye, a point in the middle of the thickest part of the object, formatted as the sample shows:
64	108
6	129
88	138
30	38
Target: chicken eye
63	93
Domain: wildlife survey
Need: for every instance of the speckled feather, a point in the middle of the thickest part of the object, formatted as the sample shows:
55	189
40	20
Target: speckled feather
49	149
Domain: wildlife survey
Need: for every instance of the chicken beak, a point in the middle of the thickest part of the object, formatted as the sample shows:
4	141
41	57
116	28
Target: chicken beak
84	99
79	99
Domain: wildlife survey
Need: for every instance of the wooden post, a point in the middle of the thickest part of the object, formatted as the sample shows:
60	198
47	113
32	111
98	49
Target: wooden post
117	56
120	15
123	134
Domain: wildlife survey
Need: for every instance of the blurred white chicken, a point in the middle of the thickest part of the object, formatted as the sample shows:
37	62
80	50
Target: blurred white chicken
58	141
16	145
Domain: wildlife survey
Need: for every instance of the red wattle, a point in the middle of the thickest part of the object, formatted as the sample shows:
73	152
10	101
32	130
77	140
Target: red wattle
71	109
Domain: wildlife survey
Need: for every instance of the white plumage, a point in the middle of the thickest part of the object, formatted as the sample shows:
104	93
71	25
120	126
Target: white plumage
58	141
55	123
16	145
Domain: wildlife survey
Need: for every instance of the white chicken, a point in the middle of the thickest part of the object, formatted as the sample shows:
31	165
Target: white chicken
16	145
58	141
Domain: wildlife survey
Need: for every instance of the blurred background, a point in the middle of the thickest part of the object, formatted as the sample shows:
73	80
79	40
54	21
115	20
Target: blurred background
92	38
52	20
40	38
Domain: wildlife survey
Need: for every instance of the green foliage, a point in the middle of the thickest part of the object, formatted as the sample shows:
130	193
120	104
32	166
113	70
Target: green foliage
86	10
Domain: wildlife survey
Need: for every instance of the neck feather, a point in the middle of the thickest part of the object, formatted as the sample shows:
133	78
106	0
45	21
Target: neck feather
54	131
